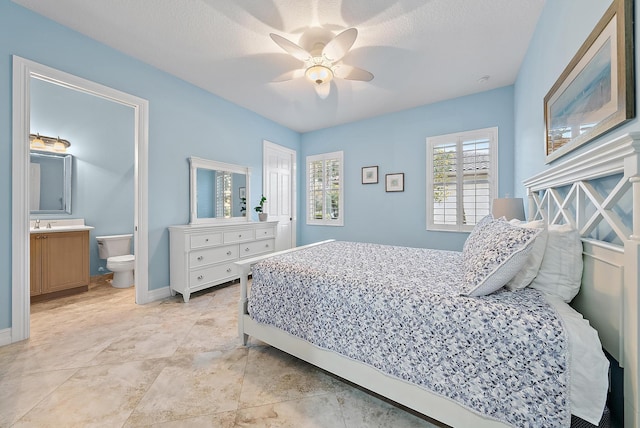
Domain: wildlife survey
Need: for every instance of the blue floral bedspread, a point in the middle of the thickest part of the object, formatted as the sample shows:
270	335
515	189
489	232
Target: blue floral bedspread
398	309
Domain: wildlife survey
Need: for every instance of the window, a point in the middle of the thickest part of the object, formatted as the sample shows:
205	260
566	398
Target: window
461	178
325	189
223	194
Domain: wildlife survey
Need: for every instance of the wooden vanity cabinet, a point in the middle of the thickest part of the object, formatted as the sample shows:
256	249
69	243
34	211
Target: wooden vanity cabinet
59	264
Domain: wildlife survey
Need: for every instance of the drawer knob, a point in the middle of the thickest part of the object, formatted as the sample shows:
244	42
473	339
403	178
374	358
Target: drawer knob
267	245
240	236
229	270
228	253
200	258
200	277
247	249
206	240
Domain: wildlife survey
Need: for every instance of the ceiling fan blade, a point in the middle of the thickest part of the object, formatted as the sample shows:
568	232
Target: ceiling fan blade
323	90
340	45
352	73
289	75
290	47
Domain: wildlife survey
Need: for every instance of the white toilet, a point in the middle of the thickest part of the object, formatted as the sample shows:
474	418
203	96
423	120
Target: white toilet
117	250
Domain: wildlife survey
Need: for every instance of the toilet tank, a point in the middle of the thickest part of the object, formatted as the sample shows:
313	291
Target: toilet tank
114	245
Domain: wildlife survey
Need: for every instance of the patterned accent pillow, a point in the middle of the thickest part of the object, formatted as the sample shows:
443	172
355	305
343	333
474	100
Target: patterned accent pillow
479	225
494	254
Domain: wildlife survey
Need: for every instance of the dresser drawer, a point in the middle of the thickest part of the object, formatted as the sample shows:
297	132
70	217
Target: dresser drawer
251	249
213	255
211	274
206	240
239	236
265	232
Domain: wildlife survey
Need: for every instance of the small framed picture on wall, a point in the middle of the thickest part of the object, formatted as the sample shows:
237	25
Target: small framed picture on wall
394	182
369	175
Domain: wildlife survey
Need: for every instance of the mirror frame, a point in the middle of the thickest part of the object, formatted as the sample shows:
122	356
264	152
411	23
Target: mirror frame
195	163
67	160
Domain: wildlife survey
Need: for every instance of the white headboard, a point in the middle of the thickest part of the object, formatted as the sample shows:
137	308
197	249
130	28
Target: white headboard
598	191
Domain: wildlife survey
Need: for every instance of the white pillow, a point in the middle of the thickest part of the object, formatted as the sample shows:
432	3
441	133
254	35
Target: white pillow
532	265
560	272
493	254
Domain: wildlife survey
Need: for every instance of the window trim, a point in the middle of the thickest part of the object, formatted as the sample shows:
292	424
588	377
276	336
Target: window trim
324	157
492	134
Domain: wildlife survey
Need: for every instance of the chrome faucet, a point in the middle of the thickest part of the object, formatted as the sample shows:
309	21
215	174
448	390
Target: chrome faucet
37	225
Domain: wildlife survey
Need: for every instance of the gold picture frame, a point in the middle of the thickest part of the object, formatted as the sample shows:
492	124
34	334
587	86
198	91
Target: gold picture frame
596	91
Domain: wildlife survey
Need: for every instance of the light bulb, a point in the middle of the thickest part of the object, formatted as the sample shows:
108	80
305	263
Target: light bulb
319	74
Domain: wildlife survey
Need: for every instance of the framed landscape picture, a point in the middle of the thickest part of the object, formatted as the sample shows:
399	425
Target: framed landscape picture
596	91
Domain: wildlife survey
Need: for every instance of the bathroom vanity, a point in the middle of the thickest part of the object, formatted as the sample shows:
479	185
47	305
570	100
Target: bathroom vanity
59	260
203	255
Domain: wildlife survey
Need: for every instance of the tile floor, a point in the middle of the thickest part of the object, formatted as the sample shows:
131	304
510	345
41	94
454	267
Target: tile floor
97	359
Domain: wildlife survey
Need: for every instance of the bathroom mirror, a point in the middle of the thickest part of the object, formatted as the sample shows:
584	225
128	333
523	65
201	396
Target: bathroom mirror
50	183
219	192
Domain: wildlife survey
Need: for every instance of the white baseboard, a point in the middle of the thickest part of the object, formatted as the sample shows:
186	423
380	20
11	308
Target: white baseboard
5	336
157	294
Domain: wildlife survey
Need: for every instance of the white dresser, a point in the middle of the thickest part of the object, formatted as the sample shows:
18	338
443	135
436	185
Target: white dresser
203	255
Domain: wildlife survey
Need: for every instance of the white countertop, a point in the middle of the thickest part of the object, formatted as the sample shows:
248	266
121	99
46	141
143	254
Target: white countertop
59	229
59	225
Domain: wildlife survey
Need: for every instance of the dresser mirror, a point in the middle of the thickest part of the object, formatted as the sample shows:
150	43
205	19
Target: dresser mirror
219	192
50	183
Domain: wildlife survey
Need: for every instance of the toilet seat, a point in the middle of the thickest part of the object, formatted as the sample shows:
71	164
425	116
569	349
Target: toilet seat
121	259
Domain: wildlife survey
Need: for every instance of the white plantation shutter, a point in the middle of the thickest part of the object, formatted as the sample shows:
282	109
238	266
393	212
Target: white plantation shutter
461	178
223	194
325	189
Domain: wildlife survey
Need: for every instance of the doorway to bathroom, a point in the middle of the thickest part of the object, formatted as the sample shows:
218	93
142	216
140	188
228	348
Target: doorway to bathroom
109	161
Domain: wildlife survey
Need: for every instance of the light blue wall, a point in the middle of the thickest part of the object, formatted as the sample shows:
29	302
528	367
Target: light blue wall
397	143
562	28
101	134
184	121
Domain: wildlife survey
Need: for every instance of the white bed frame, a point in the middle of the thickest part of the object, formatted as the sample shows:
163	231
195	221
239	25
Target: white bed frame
608	297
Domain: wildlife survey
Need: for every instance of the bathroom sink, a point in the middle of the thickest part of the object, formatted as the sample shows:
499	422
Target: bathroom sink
58	225
59	229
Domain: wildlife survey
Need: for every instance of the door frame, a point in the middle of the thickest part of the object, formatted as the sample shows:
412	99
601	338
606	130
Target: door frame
268	145
23	71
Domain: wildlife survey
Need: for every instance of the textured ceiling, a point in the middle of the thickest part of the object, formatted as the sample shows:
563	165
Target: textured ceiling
420	51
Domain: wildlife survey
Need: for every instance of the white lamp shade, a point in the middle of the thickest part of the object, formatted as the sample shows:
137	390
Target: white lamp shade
508	207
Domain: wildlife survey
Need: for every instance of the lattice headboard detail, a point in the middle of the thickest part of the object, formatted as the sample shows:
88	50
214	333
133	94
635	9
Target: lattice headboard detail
598	192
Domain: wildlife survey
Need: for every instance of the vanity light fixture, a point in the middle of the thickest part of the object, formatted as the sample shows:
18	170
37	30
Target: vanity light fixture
48	144
37	143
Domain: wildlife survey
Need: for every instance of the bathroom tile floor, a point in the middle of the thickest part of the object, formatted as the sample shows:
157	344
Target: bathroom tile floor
98	359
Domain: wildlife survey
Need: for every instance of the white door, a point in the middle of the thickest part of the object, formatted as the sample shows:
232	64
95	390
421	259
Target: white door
279	189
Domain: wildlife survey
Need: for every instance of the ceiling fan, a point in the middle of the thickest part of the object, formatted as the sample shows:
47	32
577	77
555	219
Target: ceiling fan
322	61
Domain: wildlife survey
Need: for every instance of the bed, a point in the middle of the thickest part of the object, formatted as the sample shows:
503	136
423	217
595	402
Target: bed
569	193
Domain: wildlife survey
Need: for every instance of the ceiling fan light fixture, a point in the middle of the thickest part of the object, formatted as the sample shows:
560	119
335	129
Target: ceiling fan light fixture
323	62
319	74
